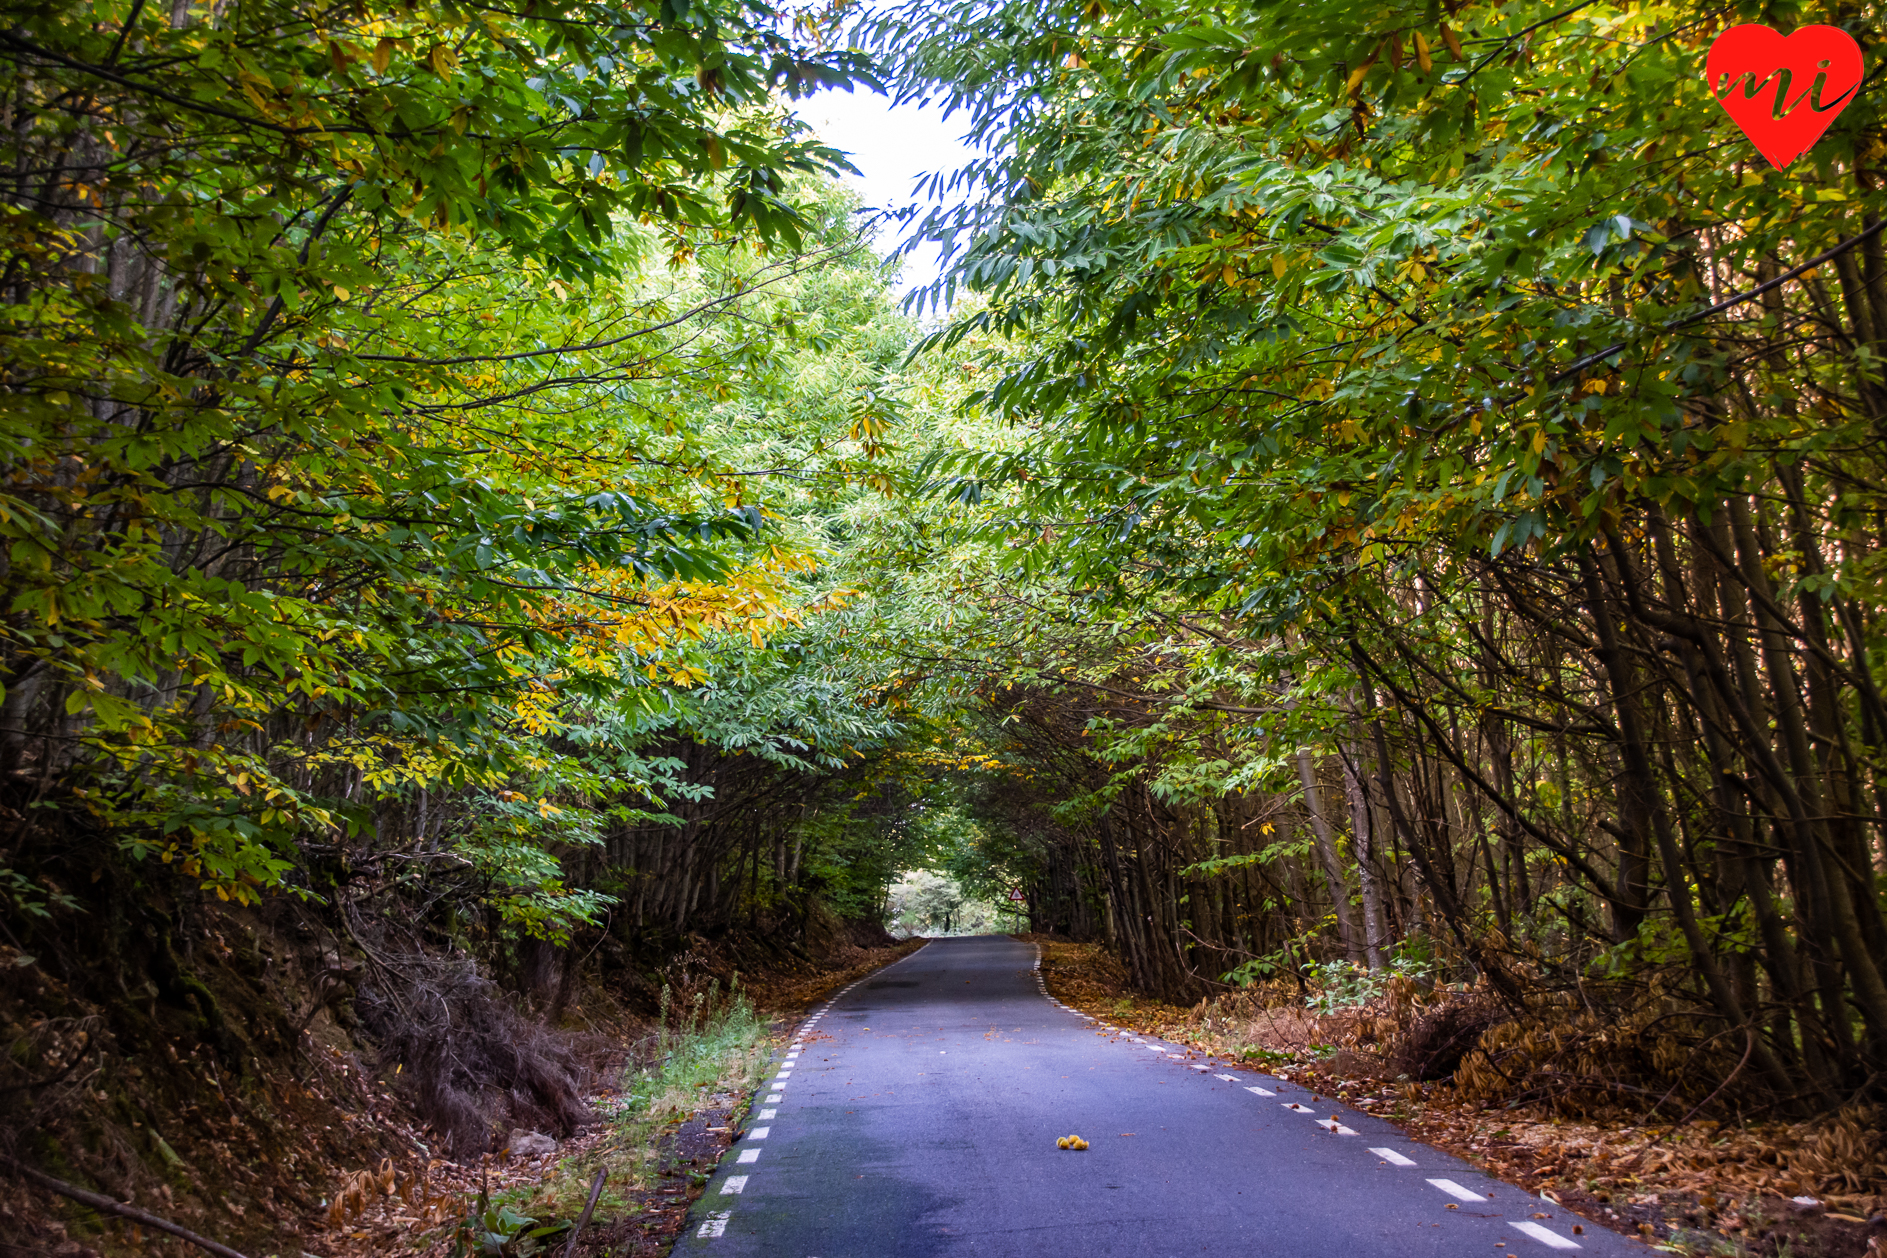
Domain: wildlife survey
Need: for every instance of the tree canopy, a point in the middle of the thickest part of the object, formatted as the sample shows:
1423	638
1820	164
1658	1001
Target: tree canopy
1394	487
1443	409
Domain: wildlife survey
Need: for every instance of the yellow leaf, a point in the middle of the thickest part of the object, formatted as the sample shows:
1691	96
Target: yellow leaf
1356	76
1277	265
382	55
1449	38
1421	53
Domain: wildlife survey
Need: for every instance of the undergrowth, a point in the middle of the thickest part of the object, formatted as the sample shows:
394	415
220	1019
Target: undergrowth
707	1053
720	1046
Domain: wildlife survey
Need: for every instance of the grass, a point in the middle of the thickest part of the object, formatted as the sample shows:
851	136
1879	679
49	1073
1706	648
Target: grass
720	1047
715	1045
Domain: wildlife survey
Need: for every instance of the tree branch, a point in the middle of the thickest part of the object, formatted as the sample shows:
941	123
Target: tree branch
99	1201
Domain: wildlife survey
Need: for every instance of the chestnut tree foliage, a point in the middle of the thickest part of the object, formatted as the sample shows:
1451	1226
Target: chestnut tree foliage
374	482
1441	507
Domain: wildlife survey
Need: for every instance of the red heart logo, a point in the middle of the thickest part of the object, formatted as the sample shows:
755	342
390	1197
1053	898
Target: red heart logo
1784	93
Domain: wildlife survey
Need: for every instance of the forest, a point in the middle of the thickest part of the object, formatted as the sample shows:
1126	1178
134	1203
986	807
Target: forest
1381	494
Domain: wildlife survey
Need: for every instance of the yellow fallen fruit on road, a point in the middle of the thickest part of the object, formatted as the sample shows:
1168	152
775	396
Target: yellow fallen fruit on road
1071	1142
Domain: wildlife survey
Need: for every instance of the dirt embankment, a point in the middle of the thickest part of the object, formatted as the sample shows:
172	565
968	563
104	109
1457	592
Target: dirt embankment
655	1171
1703	1187
263	1077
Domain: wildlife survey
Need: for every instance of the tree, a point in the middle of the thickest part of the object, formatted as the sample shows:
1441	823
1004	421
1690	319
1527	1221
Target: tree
298	298
1464	376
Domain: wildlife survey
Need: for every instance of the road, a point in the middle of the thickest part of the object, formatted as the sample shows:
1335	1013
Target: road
916	1114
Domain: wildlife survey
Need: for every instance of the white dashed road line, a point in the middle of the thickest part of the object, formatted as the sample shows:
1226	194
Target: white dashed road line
1545	1235
715	1224
1457	1191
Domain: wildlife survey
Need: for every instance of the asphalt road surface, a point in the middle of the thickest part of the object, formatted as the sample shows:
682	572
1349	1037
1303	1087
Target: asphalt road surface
916	1114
